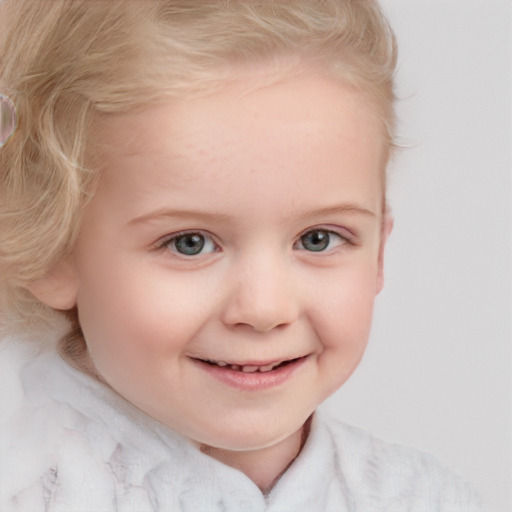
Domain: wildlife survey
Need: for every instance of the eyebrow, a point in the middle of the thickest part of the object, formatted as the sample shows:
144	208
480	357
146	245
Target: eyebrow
337	209
168	212
222	217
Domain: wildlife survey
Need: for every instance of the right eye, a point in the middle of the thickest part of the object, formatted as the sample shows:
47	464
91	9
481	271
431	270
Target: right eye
191	243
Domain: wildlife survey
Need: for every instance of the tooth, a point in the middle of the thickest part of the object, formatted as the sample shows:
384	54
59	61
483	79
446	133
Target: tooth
234	367
221	363
249	369
269	367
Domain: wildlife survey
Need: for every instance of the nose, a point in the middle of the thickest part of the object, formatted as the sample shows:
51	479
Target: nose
263	296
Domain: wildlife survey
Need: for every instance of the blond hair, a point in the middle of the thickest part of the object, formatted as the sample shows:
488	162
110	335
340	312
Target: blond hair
65	63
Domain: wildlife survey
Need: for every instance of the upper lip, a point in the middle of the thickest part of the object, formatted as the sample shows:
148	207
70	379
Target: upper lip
268	364
248	363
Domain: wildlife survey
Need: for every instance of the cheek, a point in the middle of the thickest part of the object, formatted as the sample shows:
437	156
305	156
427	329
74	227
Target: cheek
342	311
342	318
347	296
137	315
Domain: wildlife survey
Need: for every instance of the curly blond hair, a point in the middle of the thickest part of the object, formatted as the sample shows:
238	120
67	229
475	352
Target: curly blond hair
67	63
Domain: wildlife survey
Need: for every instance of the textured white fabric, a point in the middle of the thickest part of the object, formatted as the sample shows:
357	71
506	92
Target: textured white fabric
70	444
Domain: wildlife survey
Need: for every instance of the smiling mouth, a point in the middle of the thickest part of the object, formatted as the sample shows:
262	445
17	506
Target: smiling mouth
248	368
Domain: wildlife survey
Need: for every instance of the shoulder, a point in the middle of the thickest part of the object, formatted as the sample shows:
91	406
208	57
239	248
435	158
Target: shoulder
43	439
401	477
62	431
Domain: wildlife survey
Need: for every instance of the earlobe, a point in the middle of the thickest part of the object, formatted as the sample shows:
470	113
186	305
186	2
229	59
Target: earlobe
387	227
57	289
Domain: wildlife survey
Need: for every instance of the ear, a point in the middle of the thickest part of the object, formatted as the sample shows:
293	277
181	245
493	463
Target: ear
57	289
387	227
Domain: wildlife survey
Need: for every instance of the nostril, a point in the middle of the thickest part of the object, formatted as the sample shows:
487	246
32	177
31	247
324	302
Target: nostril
257	325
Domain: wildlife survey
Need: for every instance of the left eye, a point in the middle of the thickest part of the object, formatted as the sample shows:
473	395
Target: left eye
191	244
319	240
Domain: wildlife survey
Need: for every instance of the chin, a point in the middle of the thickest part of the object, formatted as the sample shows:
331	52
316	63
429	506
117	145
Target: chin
252	436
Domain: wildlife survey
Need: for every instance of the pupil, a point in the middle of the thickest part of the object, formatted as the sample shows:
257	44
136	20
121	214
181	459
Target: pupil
190	244
315	240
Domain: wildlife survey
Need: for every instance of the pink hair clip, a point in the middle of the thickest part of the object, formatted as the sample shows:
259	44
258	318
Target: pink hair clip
8	119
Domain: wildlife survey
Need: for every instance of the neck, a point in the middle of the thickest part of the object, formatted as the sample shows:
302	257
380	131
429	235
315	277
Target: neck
266	465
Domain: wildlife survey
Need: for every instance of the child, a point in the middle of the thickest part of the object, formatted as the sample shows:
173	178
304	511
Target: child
198	188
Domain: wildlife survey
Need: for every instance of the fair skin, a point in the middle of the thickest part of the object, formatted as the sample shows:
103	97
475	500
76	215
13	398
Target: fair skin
231	233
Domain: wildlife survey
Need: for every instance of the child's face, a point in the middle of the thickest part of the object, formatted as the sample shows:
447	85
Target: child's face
239	229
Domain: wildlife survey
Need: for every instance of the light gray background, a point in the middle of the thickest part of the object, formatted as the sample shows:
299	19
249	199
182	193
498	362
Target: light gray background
437	374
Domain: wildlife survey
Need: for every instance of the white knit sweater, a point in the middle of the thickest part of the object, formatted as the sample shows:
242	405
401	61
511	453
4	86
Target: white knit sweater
70	444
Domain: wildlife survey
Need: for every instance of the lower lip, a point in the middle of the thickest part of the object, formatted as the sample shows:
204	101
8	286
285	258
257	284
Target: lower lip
255	381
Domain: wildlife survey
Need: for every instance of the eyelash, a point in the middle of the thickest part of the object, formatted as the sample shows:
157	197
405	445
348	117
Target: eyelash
169	241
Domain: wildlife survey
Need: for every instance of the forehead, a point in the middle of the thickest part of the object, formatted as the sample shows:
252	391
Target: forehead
310	122
257	87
